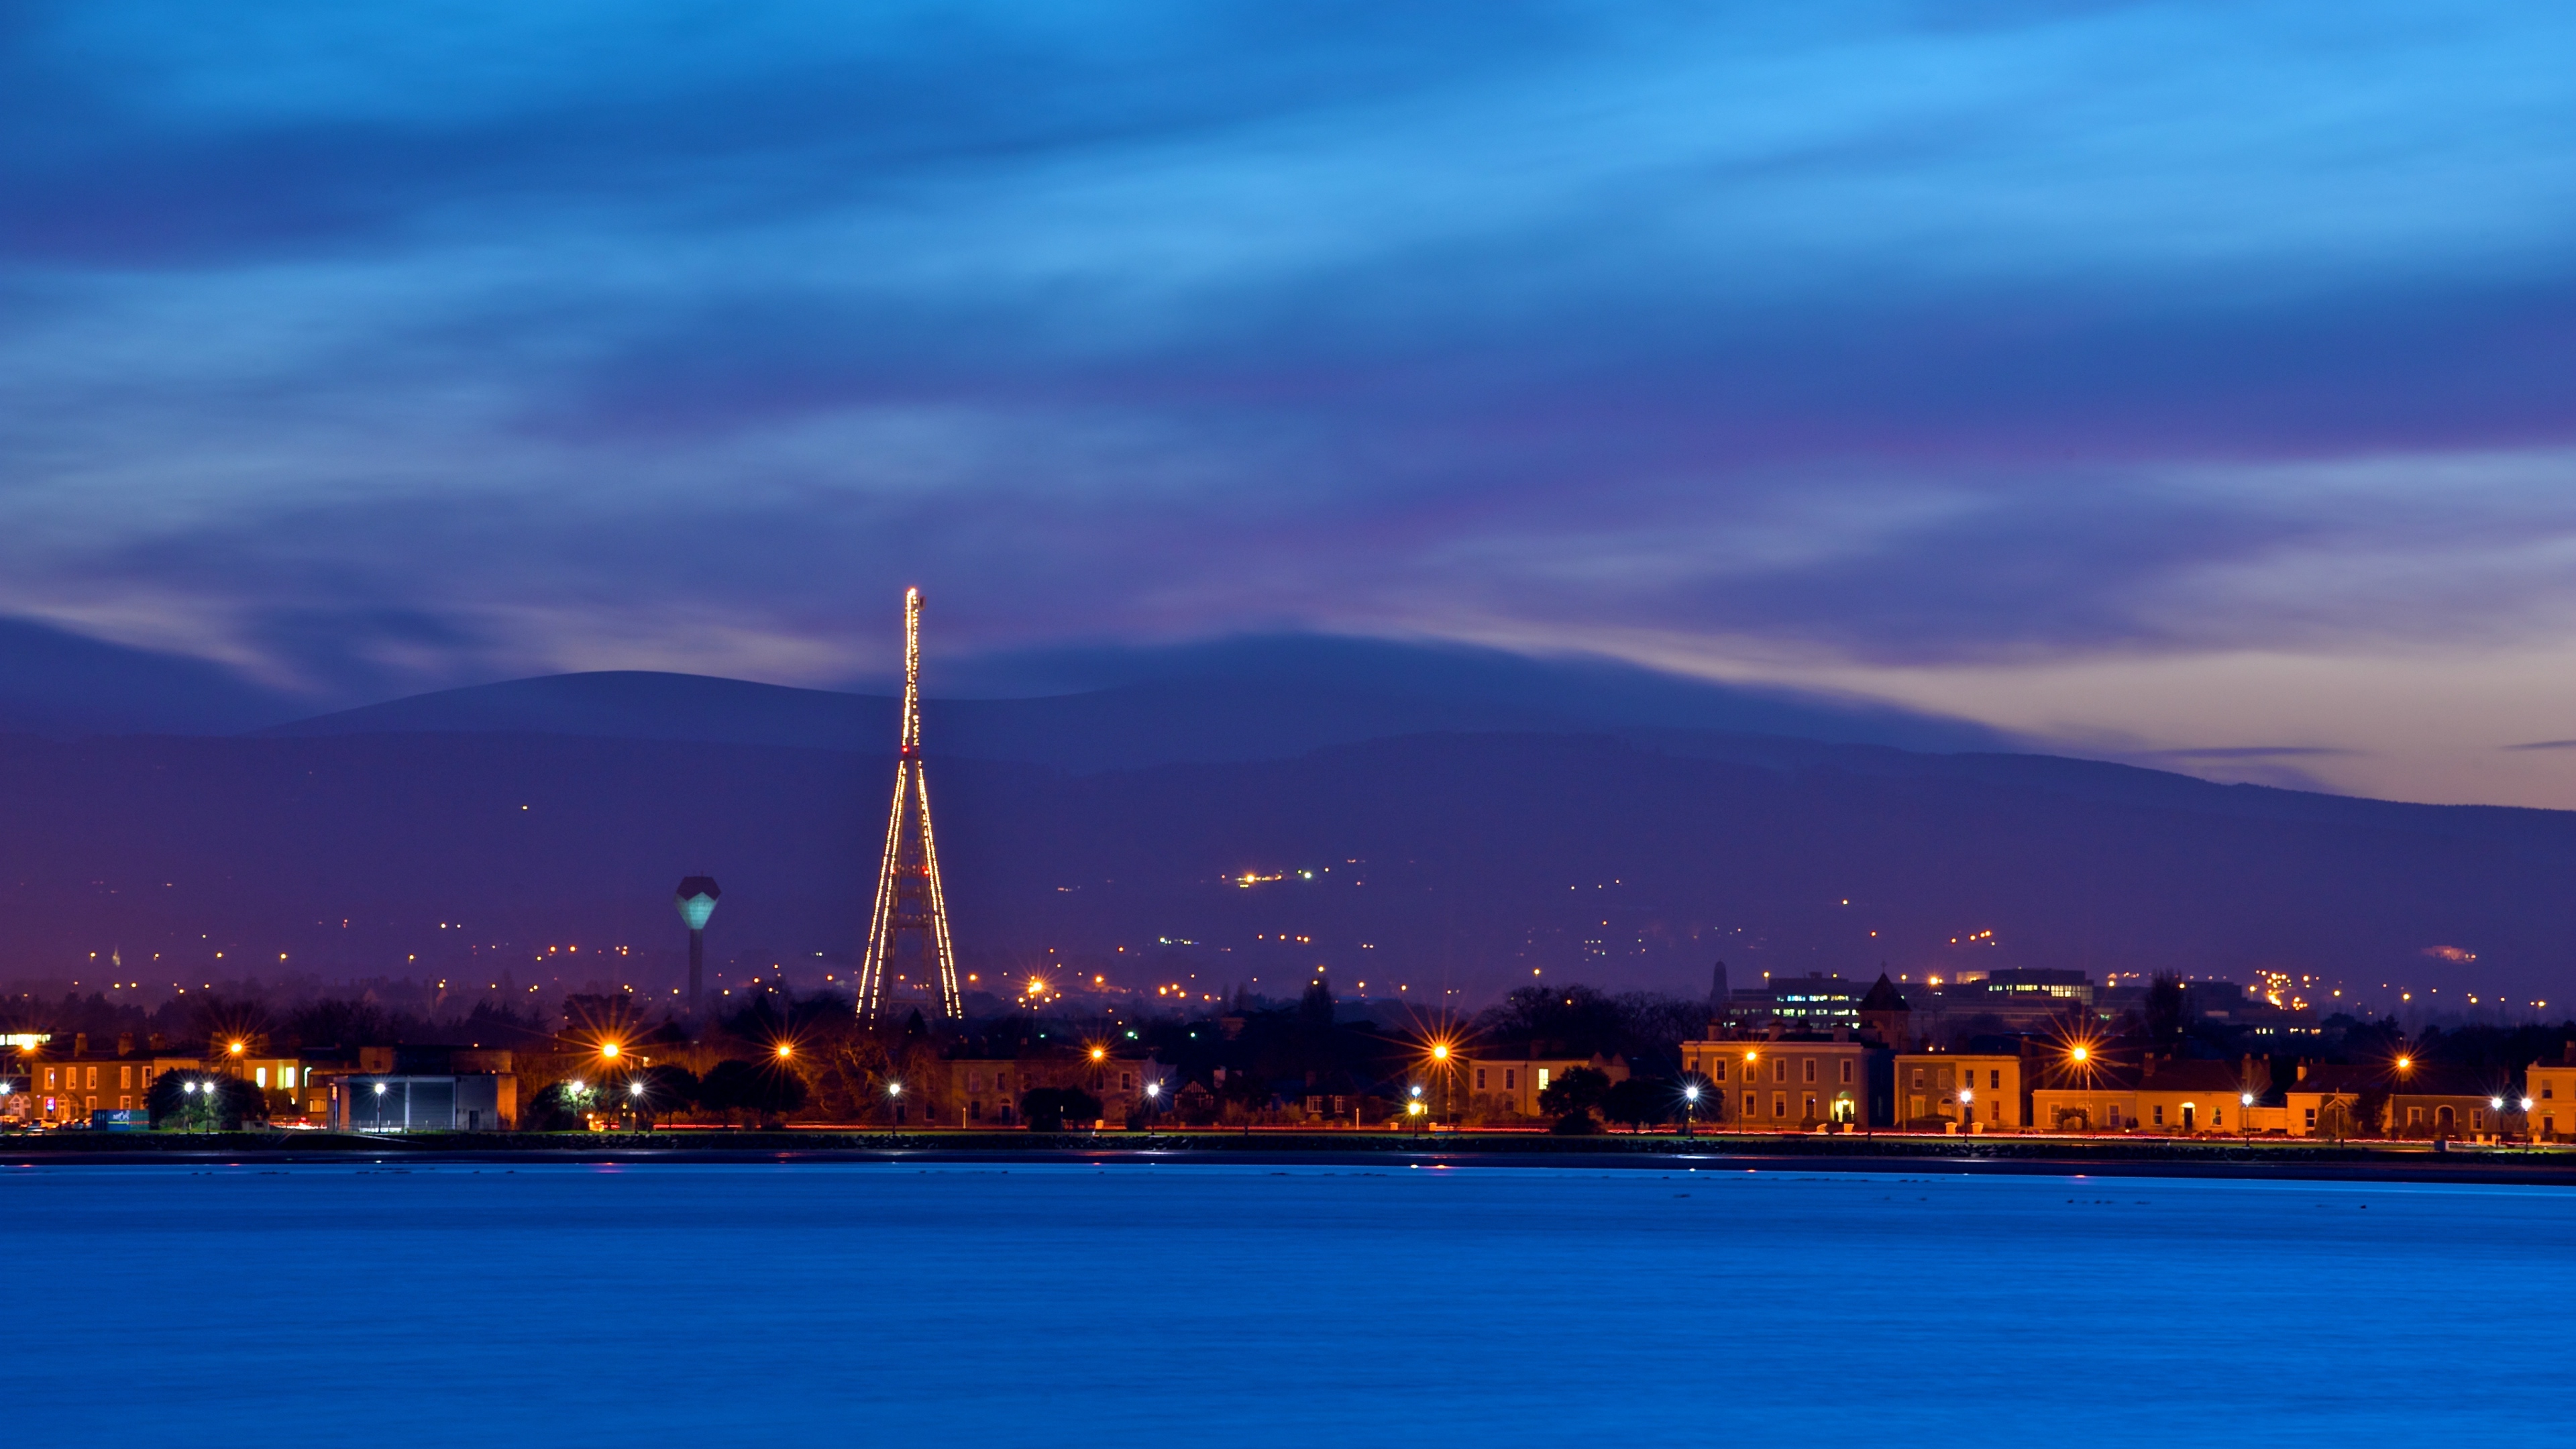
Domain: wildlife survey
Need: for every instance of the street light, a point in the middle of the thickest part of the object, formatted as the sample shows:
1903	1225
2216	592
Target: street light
1690	1106
1967	1108
2245	1115
697	901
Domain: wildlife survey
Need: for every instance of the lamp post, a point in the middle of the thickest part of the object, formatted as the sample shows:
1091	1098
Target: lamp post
2245	1116
697	901
1690	1106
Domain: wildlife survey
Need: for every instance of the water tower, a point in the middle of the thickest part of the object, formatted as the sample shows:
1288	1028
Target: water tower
697	901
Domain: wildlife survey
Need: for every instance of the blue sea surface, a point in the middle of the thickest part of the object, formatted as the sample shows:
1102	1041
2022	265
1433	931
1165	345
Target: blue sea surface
1254	1305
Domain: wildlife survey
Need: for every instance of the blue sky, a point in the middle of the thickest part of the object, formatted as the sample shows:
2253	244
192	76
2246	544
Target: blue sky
2182	382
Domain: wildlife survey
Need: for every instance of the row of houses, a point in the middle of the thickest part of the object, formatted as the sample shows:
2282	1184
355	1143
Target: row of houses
1792	1081
369	1089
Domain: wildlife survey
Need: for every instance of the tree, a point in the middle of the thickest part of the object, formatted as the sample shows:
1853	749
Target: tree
1641	1102
2168	1010
767	1090
1047	1109
1571	1098
217	1104
668	1088
554	1109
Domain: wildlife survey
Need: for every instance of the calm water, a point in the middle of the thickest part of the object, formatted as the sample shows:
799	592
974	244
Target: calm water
1252	1306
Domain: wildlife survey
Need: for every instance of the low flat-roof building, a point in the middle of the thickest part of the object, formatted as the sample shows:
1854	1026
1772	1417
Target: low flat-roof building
449	1102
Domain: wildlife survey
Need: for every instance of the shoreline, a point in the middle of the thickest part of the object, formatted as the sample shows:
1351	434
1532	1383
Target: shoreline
1983	1156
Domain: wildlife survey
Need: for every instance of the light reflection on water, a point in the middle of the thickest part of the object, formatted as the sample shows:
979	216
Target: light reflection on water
1243	1305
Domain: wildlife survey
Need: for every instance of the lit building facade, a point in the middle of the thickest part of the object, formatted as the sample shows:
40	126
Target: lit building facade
986	1091
1788	1082
1979	1091
2551	1086
1502	1088
2160	1095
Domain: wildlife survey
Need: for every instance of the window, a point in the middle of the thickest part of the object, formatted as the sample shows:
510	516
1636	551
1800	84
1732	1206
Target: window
1543	1073
2548	1089
1750	1102
1780	1104
49	1076
125	1104
974	1081
1717	1070
93	1076
1126	1081
2414	1116
1480	1079
1918	1079
1811	1074
1001	1081
1811	1106
2312	1119
2477	1119
125	1077
2160	1114
1847	1071
1779	1069
262	1074
1995	1079
1508	1080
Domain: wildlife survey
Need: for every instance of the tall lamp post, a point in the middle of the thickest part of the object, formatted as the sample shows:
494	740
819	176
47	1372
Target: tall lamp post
697	901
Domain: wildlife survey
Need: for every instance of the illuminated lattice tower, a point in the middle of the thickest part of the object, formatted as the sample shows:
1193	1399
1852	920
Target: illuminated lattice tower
909	900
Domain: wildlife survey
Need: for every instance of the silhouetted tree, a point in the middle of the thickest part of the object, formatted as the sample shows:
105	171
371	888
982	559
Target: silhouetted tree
220	1104
1047	1109
2168	1011
1571	1098
1641	1102
332	1022
766	1090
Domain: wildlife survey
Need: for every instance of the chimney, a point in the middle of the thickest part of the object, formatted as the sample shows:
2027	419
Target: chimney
1778	1029
125	1043
2303	1069
2146	1066
156	1041
80	1043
